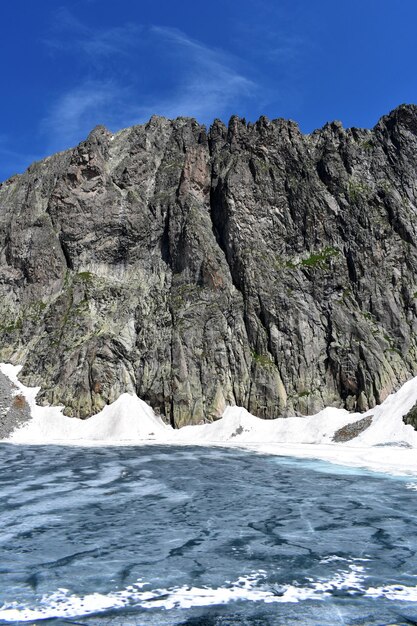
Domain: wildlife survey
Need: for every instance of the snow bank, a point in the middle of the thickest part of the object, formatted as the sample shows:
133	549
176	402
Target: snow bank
128	419
239	426
387	425
387	444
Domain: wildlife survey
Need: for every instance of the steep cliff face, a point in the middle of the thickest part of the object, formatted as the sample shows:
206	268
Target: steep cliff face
252	265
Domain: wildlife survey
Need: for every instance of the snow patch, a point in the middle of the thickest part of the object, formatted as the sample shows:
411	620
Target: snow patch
127	419
253	587
386	445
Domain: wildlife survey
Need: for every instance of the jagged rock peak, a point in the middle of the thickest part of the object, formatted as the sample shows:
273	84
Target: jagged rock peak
249	265
403	115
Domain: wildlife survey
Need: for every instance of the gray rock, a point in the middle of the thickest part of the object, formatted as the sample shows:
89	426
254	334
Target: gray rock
352	430
411	417
252	265
14	410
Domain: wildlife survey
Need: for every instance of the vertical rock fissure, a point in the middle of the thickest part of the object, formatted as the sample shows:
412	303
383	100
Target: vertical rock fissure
65	252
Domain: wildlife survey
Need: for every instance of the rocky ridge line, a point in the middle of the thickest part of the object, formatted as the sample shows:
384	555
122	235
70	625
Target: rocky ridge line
250	265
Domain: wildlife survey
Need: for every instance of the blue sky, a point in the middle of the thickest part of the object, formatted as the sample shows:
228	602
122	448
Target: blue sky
68	66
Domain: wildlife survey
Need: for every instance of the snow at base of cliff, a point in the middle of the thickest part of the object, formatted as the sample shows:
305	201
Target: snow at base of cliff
125	420
387	444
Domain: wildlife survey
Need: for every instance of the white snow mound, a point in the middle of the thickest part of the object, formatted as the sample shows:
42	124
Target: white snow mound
128	419
387	444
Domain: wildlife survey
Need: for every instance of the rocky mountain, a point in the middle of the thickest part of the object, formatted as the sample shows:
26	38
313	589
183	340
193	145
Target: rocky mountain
249	265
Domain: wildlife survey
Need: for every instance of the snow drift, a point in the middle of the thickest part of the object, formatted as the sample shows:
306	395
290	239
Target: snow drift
386	444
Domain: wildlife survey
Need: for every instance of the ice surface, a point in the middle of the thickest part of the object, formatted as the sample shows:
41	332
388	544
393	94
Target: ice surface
387	445
162	534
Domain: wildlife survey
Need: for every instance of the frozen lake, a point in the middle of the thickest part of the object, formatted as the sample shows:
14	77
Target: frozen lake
201	536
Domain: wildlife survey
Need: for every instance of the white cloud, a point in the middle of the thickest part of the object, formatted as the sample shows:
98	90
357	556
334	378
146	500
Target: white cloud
80	109
208	82
119	89
68	34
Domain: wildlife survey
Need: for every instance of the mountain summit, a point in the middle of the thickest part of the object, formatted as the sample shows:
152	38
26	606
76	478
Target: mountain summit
249	265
